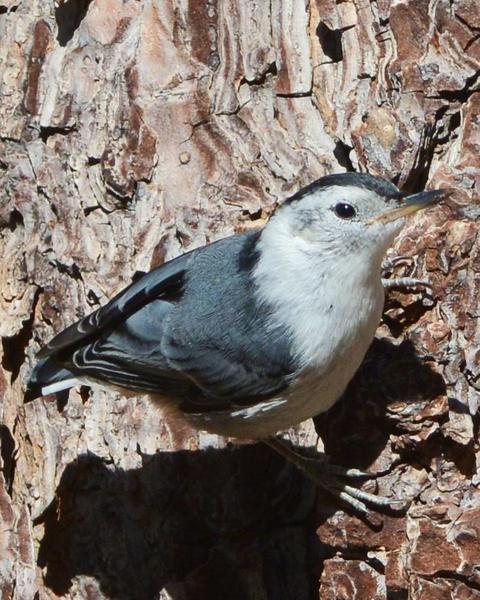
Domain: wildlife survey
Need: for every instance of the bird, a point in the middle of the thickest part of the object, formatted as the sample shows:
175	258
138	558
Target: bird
256	332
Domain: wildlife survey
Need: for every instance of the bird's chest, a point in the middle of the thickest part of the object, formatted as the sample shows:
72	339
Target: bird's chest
334	325
330	340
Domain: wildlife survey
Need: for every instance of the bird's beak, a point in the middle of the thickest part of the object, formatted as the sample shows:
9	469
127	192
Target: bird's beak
412	203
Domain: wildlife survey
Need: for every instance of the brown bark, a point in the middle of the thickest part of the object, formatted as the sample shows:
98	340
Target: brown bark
132	131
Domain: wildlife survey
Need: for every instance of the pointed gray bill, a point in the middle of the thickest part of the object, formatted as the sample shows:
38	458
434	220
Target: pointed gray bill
412	203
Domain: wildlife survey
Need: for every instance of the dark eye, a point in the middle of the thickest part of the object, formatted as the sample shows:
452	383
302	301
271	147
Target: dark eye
344	210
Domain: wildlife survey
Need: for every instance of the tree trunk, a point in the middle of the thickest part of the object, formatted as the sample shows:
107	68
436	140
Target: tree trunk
134	131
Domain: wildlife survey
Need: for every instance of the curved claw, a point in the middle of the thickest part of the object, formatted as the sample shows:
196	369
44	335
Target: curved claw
389	263
329	477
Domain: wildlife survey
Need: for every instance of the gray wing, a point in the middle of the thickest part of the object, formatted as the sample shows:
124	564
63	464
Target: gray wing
222	336
190	330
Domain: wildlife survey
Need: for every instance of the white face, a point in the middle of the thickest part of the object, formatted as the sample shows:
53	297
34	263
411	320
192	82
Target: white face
340	220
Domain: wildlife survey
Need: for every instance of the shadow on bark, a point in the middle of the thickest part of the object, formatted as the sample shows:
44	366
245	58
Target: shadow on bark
206	524
234	523
391	383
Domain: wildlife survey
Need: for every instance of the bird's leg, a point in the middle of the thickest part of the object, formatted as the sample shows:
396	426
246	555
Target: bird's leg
332	479
402	282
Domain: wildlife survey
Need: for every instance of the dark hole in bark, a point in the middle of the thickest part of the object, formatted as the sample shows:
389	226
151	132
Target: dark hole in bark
342	154
69	15
331	42
14	346
46	132
271	70
72	270
62	399
437	134
397	595
15	220
7	448
14	350
7	9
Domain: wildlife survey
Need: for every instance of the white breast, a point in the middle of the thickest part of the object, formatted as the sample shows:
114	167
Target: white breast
331	309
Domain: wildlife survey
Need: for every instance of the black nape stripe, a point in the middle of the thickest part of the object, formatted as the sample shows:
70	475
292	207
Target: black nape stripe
249	255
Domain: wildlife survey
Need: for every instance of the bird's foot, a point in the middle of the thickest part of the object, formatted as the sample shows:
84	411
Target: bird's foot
406	282
402	282
334	479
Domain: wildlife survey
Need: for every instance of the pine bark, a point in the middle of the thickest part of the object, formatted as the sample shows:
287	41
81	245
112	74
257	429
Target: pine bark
133	131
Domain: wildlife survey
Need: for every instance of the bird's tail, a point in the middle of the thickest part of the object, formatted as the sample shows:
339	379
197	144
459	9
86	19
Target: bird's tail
49	377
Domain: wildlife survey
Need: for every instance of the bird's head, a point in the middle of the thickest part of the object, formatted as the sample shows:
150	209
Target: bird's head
348	214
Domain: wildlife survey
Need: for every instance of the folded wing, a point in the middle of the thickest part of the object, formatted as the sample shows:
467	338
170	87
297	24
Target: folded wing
183	333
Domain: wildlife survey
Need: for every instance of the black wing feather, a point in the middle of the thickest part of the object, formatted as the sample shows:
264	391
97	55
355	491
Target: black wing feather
166	279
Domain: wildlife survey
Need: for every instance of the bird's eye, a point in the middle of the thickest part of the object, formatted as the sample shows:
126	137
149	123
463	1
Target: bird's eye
344	210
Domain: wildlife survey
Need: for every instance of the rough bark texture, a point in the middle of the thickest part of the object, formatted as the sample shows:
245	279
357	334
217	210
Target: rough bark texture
134	130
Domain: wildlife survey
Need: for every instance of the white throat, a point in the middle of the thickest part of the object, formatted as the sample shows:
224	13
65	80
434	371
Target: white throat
330	301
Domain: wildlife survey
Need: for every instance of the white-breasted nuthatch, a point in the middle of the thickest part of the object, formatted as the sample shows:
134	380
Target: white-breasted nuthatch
256	332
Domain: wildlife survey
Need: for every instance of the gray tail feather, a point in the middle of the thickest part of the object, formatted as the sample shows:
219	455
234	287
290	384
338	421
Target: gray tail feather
48	377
